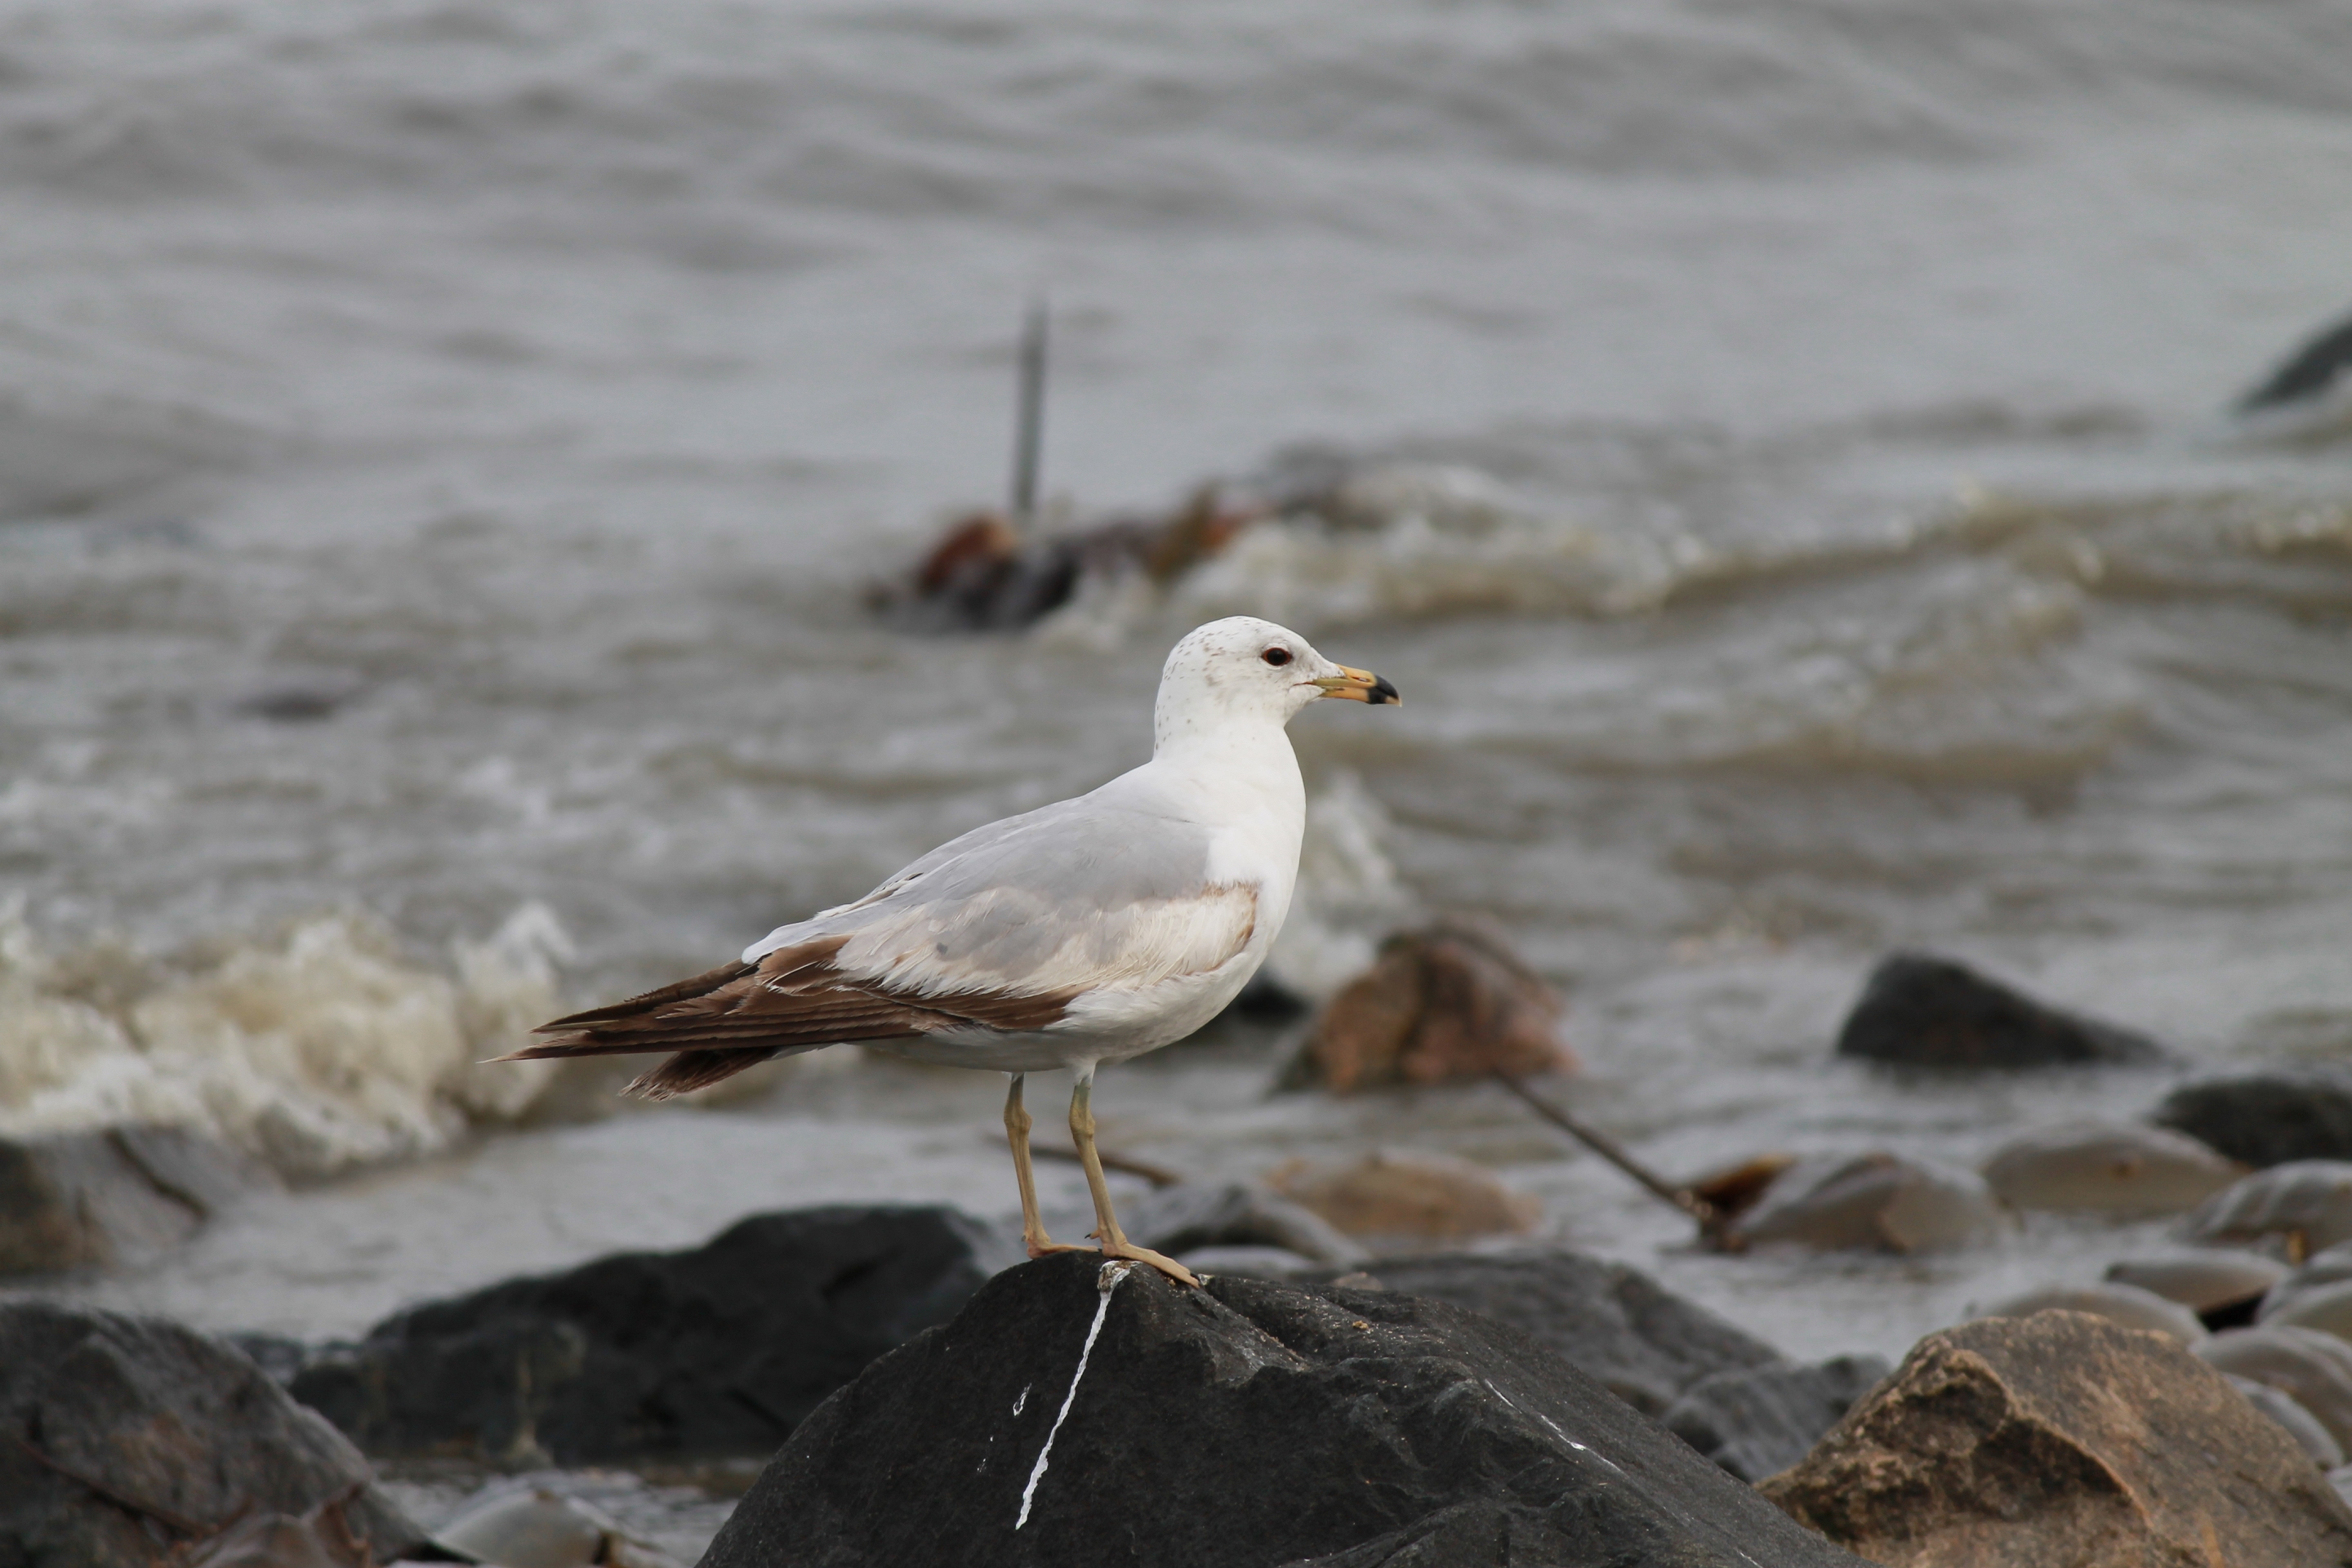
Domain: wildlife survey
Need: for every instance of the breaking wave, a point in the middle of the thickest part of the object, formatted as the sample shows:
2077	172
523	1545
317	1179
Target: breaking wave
317	1050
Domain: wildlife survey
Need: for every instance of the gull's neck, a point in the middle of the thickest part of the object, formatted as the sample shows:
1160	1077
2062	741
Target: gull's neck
1239	757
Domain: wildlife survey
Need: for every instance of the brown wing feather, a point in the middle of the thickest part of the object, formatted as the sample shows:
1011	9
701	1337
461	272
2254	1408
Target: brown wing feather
793	999
676	990
690	1070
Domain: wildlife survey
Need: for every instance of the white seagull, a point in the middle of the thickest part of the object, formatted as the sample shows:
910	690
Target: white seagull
1087	932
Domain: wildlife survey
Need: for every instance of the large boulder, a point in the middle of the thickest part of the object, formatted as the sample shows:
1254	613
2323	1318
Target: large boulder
123	1438
1918	1010
82	1200
1615	1324
718	1350
2267	1118
1079	1414
2061	1439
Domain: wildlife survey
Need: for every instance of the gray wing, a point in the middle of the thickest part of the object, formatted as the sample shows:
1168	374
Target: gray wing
1076	896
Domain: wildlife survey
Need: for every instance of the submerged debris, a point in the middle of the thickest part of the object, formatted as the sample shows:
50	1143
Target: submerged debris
986	576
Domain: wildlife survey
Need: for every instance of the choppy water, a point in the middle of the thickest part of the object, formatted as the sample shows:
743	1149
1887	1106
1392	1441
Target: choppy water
442	446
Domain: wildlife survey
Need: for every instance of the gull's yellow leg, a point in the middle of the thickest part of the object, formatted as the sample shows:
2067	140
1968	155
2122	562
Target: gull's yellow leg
1114	1240
1017	1133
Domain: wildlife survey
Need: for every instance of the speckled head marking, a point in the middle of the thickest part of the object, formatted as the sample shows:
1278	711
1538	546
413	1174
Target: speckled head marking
1242	671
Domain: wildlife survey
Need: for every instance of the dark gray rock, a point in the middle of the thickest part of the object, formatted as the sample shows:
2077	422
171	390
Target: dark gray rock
159	1423
1758	1423
1918	1010
1244	1423
2269	1118
83	1200
1643	1343
716	1351
2308	375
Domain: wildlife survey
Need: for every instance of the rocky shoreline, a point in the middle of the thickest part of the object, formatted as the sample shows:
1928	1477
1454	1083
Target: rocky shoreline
1378	1369
1535	1406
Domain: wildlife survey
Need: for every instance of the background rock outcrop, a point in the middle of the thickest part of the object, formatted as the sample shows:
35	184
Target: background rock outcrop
82	1200
1919	1010
717	1350
123	1438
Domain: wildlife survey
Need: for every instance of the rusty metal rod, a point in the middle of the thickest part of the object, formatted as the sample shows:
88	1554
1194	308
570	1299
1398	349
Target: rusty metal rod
1714	1224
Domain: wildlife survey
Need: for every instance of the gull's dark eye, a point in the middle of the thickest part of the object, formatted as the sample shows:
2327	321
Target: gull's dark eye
1277	657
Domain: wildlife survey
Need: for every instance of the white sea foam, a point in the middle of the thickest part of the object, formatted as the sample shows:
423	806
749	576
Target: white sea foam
319	1049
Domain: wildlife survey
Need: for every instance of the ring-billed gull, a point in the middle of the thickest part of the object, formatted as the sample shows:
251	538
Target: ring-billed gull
1087	932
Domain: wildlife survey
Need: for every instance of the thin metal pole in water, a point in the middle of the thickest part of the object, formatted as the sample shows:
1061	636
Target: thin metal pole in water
1714	1227
1029	426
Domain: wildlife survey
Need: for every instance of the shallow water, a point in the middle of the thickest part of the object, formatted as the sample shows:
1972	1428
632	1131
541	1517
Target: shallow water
442	446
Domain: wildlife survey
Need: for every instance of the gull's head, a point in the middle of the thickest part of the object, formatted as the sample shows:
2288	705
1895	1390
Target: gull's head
1242	669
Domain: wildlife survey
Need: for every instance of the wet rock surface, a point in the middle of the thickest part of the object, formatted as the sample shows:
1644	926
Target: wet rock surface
2298	1423
2126	1306
2106	1167
1919	1010
1243	1424
2312	1369
1408	1198
2222	1289
2304	1206
82	1200
2058	1439
1874	1201
721	1350
123	1438
1449	1001
2324	1271
1757	1423
2267	1118
1613	1324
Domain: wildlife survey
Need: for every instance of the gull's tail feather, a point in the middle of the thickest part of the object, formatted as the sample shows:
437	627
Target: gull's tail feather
637	1007
690	1070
